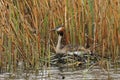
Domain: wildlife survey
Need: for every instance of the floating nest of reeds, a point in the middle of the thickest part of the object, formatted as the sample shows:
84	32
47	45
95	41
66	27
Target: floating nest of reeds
74	60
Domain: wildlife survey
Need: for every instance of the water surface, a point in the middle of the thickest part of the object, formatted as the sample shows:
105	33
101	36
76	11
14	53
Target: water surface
56	73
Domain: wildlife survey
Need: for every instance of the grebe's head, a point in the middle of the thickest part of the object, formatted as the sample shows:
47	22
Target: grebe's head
59	30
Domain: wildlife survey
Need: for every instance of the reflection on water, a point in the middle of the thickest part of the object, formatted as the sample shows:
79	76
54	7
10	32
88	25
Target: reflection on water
55	73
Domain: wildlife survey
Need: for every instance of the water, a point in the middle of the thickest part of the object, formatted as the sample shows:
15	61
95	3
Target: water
56	73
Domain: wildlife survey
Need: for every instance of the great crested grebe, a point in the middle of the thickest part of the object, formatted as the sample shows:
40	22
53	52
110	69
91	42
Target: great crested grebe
59	48
69	49
69	52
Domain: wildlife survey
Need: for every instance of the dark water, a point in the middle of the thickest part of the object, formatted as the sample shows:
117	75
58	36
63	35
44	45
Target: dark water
55	73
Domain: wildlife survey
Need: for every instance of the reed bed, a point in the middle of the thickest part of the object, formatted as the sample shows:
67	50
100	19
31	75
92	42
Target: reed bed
25	25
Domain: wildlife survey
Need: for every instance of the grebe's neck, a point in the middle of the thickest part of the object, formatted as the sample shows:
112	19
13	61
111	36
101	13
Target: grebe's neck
59	42
59	48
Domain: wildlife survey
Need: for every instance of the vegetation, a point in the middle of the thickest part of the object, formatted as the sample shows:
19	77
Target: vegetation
25	25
